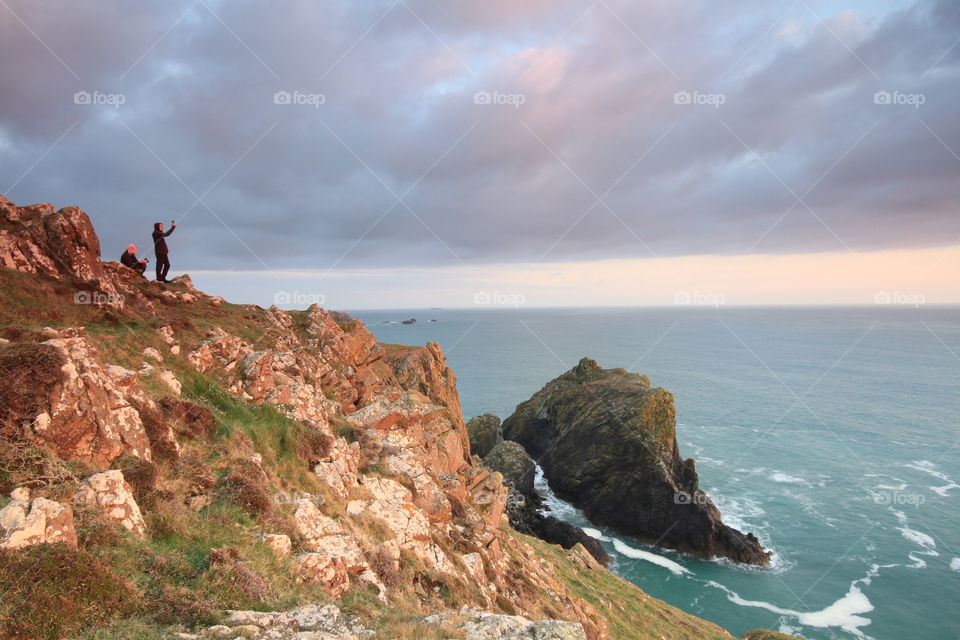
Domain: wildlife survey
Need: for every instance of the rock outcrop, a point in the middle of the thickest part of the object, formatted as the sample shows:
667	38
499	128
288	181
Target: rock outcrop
606	441
480	625
109	492
484	433
511	460
25	522
39	239
80	410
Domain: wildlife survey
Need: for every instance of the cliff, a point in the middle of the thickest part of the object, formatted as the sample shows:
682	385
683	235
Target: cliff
606	441
169	461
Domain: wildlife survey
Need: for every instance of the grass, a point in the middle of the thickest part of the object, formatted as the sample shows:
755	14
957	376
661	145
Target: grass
631	614
286	445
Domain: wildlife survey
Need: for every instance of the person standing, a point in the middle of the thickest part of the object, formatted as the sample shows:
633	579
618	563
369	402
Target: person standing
160	249
129	259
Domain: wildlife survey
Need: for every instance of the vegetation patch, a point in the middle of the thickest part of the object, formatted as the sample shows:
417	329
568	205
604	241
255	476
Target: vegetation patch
83	592
30	373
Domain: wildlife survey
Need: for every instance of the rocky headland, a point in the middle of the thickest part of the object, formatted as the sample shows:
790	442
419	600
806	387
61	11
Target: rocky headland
176	466
606	441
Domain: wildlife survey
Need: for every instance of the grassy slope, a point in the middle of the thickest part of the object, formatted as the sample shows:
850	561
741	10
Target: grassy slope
174	578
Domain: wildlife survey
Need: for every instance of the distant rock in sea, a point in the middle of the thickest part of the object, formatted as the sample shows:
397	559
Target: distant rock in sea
607	443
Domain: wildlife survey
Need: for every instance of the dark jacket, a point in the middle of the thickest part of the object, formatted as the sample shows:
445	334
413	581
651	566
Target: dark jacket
159	244
129	259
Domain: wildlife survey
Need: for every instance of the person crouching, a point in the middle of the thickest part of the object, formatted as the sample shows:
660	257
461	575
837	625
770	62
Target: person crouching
129	259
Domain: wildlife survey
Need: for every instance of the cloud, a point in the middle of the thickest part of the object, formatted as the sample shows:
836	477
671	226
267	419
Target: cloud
384	158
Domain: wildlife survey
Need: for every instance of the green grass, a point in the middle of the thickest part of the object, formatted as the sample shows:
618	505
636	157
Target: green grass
631	614
279	439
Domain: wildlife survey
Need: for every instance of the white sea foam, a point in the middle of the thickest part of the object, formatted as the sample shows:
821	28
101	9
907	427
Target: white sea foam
924	540
786	478
943	490
892	487
955	564
930	468
554	505
842	614
639	554
594	533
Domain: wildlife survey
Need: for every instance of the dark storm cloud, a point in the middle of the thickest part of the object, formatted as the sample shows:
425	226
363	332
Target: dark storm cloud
258	184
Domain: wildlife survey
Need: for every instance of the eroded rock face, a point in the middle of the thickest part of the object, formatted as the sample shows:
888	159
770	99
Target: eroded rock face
24	522
87	416
334	554
393	504
607	442
56	243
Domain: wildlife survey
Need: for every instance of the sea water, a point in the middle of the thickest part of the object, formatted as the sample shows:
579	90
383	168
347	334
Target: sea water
833	434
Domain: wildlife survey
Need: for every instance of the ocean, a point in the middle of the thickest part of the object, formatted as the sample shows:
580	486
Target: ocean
830	432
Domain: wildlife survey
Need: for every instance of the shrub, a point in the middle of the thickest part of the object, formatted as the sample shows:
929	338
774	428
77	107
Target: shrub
189	420
142	475
50	591
247	486
30	372
234	580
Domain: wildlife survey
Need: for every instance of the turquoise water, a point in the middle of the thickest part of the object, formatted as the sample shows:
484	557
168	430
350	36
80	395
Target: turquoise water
831	433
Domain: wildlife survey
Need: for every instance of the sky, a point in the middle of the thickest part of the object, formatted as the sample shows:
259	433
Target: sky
409	153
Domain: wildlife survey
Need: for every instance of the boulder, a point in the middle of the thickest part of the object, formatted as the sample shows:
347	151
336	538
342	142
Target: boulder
606	441
278	543
170	379
329	571
511	460
484	433
41	521
114	496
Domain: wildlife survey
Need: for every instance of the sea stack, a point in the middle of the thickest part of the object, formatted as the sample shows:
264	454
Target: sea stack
606	441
